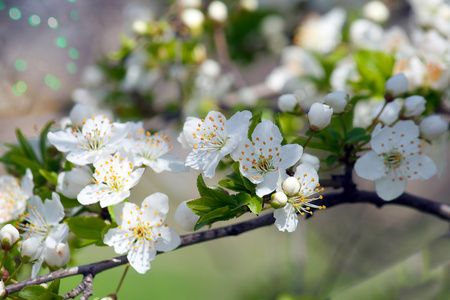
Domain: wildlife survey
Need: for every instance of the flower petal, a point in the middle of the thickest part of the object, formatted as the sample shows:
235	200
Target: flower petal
120	239
269	184
286	218
167	162
370	166
168	240
140	256
390	186
54	210
156	207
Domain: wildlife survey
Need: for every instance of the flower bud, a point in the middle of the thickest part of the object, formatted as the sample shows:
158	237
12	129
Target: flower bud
31	249
433	127
140	27
376	11
390	112
57	257
279	199
291	186
9	235
337	101
218	11
396	85
192	18
310	159
2	289
185	217
287	102
319	116
78	113
414	106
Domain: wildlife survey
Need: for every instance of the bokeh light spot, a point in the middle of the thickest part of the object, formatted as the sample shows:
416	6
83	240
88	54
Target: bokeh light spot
52	23
74	15
34	20
20	64
72	1
52	82
73	53
19	88
2	5
61	42
72	68
14	13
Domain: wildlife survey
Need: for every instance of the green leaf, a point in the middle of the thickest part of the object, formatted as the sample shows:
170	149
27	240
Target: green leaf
232	185
242	199
256	119
357	134
219	214
331	159
29	152
43	141
32	292
54	287
218	196
50	296
51	177
86	227
313	144
244	180
255	204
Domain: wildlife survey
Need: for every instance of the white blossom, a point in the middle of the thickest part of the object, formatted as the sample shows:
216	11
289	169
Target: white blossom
312	159
286	217
376	11
397	157
390	112
142	231
9	235
114	176
43	223
263	159
13	197
57	255
287	102
70	183
212	138
217	11
85	145
31	249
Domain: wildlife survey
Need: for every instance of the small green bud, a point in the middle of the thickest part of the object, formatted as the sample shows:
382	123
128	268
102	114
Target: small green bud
279	199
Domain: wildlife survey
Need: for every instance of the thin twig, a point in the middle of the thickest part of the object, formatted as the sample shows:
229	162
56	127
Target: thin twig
440	210
85	287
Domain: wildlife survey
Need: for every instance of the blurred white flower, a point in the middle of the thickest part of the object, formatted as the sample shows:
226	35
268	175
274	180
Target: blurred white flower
390	112
433	127
287	102
217	11
376	11
70	183
396	85
414	106
319	116
366	34
185	217
337	100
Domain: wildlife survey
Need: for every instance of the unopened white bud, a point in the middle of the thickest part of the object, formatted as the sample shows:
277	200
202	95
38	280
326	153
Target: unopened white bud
279	199
291	186
337	101
396	85
287	102
310	159
376	11
192	18
185	217
249	5
57	257
9	235
78	113
319	116
218	11
30	250
414	106
433	127
2	289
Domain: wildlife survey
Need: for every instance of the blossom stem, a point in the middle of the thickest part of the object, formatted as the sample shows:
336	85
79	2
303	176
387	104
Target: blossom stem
3	260
307	141
343	125
122	279
14	273
375	121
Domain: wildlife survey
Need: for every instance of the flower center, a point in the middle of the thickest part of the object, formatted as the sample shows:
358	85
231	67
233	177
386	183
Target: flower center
263	165
393	159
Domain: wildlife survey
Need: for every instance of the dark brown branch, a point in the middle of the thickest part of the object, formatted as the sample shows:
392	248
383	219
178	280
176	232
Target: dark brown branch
85	287
440	210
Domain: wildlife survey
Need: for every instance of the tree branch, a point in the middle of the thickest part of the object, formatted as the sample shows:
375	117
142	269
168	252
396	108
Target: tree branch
440	210
85	287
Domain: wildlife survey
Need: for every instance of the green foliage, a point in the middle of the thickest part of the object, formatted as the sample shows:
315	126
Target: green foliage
37	292
90	228
216	205
375	68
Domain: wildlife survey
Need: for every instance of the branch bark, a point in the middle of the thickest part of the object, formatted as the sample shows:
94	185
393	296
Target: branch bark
440	210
